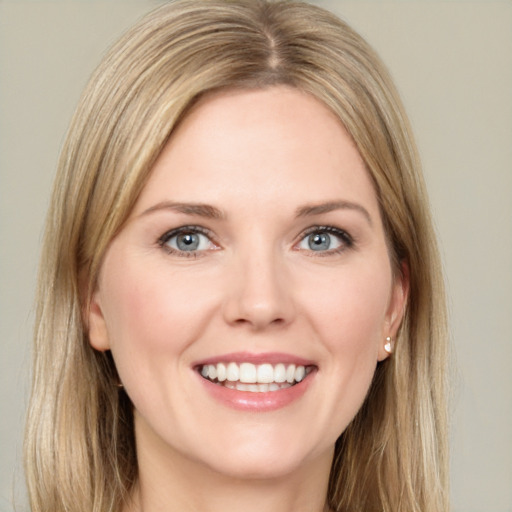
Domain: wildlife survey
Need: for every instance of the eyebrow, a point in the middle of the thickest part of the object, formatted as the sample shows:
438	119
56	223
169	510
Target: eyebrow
211	212
199	209
317	209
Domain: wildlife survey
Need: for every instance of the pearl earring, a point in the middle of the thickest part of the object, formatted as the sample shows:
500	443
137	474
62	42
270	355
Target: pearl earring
388	346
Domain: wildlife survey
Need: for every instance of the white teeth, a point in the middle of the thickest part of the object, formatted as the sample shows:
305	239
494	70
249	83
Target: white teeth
212	372
232	372
221	372
279	373
265	373
255	378
247	373
290	373
256	388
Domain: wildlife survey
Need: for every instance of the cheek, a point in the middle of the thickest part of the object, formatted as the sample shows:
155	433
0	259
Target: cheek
149	314
150	306
350	309
349	321
153	318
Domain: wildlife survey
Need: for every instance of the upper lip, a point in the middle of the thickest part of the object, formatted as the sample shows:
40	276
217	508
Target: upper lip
261	358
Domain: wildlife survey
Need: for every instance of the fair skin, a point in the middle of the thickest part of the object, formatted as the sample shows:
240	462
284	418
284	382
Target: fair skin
280	257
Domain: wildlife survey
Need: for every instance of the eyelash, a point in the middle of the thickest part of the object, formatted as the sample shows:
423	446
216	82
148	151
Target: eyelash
168	235
347	241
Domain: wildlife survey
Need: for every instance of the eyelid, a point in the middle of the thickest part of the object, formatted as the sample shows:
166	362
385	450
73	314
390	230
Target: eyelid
162	240
192	228
347	240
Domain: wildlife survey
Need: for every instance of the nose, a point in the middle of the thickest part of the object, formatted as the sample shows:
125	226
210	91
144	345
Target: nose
259	292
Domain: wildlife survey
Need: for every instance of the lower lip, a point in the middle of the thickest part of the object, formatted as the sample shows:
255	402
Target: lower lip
257	402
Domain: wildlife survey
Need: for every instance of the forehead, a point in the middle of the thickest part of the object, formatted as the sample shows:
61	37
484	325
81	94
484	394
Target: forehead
275	144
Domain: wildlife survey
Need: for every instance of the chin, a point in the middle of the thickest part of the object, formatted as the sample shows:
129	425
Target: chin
266	456
258	467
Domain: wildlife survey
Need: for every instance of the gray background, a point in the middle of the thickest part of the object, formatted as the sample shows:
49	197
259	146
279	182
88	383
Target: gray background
452	61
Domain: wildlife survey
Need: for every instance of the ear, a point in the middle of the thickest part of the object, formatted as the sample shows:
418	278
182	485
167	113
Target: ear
396	308
97	327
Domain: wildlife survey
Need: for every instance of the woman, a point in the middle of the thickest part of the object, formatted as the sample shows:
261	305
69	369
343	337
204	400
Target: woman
240	295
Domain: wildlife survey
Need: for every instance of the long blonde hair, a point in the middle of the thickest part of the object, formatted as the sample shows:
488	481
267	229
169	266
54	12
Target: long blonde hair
80	450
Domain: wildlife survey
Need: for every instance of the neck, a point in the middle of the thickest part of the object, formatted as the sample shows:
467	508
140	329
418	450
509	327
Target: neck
171	482
233	496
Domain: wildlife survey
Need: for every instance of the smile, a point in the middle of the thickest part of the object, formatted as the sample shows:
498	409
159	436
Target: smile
261	378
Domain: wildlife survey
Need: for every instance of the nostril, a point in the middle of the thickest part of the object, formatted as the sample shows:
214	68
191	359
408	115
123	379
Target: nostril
260	322
258	301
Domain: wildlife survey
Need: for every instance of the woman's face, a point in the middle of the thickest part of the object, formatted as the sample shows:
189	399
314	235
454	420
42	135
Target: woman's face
247	299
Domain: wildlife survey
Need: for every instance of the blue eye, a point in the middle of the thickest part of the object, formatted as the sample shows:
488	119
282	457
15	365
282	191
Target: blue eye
325	239
319	241
186	240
